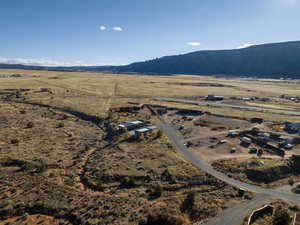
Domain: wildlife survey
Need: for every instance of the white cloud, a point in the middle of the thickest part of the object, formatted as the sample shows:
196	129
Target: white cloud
245	45
116	28
43	62
102	27
292	2
193	43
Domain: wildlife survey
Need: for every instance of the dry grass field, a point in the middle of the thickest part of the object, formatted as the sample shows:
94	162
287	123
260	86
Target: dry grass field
60	163
96	92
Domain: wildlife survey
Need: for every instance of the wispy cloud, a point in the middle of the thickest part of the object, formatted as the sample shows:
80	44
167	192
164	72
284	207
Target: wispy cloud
43	62
193	43
102	27
245	45
291	2
116	28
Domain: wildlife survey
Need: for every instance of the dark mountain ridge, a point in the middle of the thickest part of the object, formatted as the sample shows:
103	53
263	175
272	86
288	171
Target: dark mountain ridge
267	60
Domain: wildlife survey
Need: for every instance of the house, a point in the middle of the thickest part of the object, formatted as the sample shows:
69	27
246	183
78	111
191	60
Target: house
245	142
248	98
146	132
189	112
214	98
233	133
127	109
130	125
256	120
292	127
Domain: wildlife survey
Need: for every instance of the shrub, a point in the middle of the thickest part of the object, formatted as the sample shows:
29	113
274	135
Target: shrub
6	208
162	219
159	134
60	125
29	125
188	202
129	182
14	141
281	217
155	191
291	181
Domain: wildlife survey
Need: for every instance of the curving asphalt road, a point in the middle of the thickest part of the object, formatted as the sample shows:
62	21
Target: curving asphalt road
200	163
237	214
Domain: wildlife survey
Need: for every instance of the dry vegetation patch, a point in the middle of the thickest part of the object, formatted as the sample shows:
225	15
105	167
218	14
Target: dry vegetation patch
265	172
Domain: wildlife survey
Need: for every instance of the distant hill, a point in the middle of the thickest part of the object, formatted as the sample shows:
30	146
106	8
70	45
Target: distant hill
58	68
268	60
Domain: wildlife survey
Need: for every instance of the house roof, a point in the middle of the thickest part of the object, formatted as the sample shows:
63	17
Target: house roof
136	122
129	124
152	127
146	129
142	130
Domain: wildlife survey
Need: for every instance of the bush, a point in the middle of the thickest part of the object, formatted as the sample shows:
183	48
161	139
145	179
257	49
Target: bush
29	125
60	125
281	217
6	208
14	141
162	219
129	182
188	202
155	191
291	181
159	134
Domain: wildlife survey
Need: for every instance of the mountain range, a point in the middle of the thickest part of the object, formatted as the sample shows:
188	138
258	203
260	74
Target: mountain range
274	60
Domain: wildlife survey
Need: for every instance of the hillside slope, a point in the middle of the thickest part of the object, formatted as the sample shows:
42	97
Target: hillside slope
275	60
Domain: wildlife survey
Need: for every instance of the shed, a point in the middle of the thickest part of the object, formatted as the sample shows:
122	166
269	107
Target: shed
233	133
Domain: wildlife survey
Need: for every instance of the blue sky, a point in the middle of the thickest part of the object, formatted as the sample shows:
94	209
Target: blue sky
99	32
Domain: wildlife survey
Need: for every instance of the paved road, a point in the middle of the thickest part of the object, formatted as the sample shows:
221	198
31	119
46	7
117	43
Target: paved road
237	214
200	163
245	107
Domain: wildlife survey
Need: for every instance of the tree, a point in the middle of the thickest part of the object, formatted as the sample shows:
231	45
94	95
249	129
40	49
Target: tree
260	153
291	181
188	202
281	217
155	191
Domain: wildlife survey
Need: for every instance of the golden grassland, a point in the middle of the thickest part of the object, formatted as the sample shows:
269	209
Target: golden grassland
94	93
